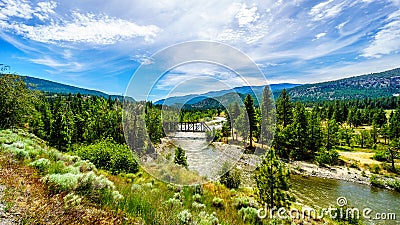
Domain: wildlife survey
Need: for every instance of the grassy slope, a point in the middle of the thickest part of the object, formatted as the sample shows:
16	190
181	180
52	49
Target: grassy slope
145	200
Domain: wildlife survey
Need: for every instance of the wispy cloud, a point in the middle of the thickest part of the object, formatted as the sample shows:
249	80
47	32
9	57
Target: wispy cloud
387	40
98	29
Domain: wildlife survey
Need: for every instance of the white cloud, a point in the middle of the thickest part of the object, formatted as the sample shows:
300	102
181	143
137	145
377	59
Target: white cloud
387	40
90	28
320	35
44	10
325	10
15	8
247	15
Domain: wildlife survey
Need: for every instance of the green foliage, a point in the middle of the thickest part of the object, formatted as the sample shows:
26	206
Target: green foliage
284	109
251	115
180	157
40	164
198	206
241	202
272	181
185	217
16	101
230	177
250	215
382	156
207	219
218	202
109	155
327	157
375	181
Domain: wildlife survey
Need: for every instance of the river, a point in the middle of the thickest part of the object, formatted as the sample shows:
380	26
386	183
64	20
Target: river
311	191
322	193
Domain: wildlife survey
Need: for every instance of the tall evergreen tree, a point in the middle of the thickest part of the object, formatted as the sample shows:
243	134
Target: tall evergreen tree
268	116
251	114
314	140
272	181
299	131
284	109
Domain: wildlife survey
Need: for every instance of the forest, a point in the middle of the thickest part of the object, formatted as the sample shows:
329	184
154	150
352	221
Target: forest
91	128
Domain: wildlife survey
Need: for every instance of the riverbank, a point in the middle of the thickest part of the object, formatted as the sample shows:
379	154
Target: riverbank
334	172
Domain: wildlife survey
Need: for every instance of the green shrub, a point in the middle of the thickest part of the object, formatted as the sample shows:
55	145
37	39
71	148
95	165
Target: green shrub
40	164
325	157
381	156
198	206
197	198
249	215
230	178
110	156
136	187
180	157
241	202
61	182
173	202
395	184
218	202
185	217
375	181
19	154
207	219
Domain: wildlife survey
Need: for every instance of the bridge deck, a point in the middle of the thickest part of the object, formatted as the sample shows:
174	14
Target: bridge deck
186	126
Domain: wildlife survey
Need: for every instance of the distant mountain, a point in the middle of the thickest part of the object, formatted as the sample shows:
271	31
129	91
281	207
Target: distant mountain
194	99
375	85
54	87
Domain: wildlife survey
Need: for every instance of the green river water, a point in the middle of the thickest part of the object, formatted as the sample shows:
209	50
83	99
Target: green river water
322	193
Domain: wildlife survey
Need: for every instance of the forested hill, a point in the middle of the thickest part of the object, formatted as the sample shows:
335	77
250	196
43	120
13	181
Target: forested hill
373	85
54	87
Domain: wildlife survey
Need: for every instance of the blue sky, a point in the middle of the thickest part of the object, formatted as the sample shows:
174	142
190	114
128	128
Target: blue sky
99	44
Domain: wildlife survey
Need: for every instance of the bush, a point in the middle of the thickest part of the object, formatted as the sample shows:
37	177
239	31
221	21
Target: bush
198	206
20	154
241	202
173	202
249	215
230	178
218	202
375	181
197	198
381	156
180	157
185	217
207	219
40	164
395	184
61	182
325	157
110	156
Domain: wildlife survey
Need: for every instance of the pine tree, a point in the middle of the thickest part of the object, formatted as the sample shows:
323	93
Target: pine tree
272	181
268	117
251	115
284	109
299	131
331	130
16	101
234	112
314	131
180	157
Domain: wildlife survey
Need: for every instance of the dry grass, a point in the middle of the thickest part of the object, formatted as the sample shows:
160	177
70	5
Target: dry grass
32	203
